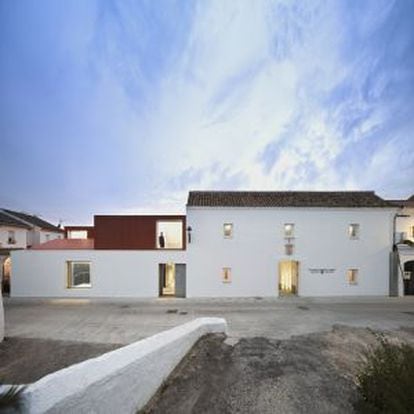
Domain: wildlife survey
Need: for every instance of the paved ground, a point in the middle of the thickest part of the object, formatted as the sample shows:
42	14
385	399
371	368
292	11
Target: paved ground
125	321
284	355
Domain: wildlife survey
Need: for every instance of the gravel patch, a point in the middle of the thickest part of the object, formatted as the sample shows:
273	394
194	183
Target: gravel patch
25	360
309	373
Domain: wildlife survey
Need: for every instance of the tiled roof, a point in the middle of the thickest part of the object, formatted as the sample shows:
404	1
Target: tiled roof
404	203
343	199
65	244
33	220
6	220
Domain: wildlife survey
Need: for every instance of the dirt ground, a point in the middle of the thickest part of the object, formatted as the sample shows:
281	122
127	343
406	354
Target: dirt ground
25	360
305	374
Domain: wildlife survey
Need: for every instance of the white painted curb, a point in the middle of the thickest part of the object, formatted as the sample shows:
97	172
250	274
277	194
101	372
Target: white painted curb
120	381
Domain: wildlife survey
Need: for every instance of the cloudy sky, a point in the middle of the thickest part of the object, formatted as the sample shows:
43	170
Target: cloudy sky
123	106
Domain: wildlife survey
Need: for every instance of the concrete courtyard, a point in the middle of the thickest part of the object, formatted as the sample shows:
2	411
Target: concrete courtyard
122	321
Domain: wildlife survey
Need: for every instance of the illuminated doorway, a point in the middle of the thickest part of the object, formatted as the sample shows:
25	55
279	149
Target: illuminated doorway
6	275
288	277
172	279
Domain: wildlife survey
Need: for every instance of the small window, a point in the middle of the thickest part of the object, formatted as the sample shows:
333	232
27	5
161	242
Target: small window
289	230
77	234
353	276
11	237
226	275
353	231
228	230
412	232
288	249
47	237
79	275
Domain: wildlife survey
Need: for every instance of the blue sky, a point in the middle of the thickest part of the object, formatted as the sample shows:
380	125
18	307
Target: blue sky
123	106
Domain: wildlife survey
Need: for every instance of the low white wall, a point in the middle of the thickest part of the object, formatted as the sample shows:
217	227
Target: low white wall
114	273
120	381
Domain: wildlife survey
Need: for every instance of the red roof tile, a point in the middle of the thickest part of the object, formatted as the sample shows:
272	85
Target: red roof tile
66	244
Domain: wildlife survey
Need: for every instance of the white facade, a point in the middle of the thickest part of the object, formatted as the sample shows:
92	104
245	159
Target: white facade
321	242
19	237
37	236
404	231
114	273
405	225
322	247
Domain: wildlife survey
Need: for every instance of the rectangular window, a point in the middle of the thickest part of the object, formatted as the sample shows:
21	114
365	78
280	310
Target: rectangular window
226	275
169	234
79	274
412	232
353	231
77	234
353	276
47	237
289	230
11	237
228	230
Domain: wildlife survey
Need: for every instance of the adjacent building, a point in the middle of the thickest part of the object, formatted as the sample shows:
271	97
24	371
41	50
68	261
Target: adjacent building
19	231
404	245
229	244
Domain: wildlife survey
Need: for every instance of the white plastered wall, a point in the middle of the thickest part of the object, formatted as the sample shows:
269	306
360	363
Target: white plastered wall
321	241
43	236
19	235
114	273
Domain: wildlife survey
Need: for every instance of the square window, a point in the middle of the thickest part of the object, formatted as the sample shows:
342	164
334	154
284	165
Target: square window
289	249
353	276
226	275
353	231
79	274
169	234
228	230
289	229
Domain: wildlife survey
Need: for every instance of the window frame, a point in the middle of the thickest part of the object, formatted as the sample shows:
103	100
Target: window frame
353	276
352	226
157	231
231	226
69	274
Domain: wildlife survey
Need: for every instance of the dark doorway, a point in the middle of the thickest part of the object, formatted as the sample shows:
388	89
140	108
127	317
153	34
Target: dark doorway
409	278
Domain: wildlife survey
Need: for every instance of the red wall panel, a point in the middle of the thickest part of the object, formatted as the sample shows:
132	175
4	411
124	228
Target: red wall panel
130	232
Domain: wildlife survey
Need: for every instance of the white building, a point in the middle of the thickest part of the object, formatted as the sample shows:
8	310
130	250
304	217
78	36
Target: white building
230	244
21	231
404	239
271	243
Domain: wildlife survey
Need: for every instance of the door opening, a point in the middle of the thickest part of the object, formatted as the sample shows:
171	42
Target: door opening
5	280
172	279
288	277
409	278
